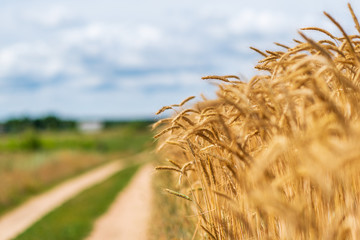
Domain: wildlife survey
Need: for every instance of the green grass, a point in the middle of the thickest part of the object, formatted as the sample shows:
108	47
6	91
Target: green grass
172	217
74	219
130	138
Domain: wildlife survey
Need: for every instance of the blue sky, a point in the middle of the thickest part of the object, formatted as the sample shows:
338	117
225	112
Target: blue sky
126	59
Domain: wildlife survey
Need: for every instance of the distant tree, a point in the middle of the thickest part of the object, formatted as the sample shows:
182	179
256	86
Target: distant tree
46	123
52	123
17	125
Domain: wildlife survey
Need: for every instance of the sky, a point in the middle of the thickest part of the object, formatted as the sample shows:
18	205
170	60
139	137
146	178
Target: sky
116	59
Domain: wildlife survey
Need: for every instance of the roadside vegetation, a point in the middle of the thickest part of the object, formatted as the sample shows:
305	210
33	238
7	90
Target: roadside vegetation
32	161
75	218
129	136
172	218
276	157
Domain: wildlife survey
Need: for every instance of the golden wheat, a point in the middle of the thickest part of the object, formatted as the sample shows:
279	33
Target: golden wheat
277	157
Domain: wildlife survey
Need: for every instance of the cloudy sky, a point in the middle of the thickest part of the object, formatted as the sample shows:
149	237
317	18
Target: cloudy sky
126	59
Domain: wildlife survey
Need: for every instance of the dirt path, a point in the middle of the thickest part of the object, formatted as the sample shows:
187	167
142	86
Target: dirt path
128	217
18	220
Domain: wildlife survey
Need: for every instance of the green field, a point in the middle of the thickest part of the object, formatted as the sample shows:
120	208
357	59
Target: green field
33	161
130	137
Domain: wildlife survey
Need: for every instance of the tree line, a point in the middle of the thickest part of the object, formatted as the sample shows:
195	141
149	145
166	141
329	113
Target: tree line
54	123
15	125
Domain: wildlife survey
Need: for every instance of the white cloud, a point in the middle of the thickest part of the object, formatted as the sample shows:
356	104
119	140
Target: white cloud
37	59
53	16
252	20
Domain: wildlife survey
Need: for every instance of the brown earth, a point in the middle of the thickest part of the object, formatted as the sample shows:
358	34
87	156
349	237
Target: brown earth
128	217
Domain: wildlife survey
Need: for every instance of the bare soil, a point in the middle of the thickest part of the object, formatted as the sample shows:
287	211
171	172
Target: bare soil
128	217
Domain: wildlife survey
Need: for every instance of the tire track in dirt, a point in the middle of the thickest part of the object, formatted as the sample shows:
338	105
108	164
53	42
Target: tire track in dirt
128	216
16	221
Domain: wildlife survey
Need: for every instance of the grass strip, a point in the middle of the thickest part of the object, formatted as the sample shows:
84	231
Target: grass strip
172	218
75	218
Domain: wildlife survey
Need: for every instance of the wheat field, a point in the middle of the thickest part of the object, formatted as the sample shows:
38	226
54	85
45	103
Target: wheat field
277	157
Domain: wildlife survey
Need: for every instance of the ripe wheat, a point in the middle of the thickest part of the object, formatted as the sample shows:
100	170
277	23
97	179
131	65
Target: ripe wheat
277	157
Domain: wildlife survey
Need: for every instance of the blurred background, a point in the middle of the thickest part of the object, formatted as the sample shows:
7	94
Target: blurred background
125	59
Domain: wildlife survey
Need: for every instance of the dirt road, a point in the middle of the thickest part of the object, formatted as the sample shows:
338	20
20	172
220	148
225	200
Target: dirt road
128	217
18	220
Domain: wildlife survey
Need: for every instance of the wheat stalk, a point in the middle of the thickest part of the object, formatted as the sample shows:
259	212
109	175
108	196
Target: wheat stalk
276	157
